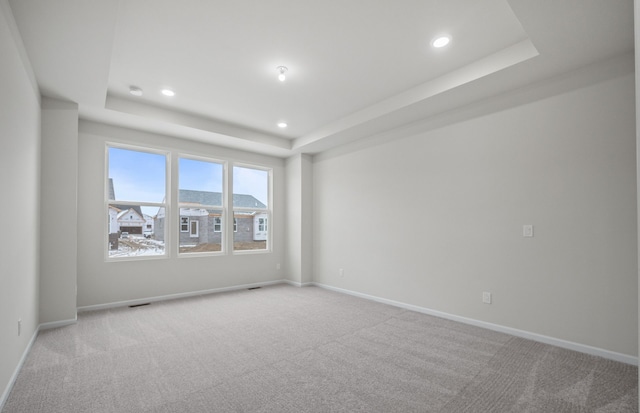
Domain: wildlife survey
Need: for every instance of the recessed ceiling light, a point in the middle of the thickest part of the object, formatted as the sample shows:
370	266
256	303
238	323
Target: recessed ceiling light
441	41
135	91
282	125
168	92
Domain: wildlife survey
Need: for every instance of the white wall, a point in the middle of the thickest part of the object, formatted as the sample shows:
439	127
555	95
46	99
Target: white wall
19	211
299	186
58	241
636	11
101	282
435	219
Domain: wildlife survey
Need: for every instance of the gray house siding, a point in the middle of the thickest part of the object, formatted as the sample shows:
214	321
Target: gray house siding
206	223
245	229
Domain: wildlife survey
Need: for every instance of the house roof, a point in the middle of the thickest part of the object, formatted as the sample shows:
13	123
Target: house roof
127	210
215	199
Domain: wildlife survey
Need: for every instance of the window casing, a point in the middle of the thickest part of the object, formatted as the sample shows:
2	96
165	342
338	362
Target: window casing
201	200
143	223
251	208
134	197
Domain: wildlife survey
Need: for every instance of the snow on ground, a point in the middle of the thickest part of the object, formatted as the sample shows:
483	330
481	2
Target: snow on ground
137	246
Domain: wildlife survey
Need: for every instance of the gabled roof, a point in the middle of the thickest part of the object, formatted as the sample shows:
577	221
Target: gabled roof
215	199
128	210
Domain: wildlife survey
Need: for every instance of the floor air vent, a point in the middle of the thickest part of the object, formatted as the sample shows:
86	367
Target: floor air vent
138	305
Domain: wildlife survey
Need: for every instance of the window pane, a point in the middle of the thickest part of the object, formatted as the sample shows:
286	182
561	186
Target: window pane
251	230
200	188
203	230
135	231
250	188
136	176
200	182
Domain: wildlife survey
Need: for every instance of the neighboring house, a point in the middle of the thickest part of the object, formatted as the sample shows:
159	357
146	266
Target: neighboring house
131	221
201	221
113	219
148	225
134	223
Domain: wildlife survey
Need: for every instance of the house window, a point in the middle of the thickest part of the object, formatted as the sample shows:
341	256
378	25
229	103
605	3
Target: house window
201	204
135	188
251	208
184	224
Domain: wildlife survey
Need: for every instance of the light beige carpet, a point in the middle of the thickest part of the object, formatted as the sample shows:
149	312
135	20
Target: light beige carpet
288	349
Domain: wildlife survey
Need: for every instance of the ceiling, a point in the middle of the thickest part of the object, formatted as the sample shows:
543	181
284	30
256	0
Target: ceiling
355	68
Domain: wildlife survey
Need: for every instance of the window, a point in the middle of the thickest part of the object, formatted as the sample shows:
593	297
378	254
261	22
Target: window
142	219
135	192
251	211
201	204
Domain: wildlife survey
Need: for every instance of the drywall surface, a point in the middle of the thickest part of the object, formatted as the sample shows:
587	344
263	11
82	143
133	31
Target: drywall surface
58	241
436	219
104	282
19	213
299	183
294	218
306	167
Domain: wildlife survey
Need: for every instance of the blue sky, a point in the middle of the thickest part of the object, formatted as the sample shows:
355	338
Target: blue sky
140	176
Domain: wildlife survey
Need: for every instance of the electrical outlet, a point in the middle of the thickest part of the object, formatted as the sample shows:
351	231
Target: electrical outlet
527	231
486	297
277	266
341	272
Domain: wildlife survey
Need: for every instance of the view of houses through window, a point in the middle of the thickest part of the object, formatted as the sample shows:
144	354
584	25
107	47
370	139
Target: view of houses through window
201	202
136	194
250	208
137	205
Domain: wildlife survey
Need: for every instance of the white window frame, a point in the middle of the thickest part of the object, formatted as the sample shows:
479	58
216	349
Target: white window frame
222	208
170	205
267	210
165	204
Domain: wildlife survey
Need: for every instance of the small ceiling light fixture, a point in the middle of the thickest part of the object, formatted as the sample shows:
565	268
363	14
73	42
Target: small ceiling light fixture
441	41
135	90
282	70
168	92
282	125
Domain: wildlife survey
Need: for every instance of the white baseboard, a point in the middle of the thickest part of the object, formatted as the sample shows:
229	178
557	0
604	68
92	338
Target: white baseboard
297	284
594	351
14	376
56	324
175	296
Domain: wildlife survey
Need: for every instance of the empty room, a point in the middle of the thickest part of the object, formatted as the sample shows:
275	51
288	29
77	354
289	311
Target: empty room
319	206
